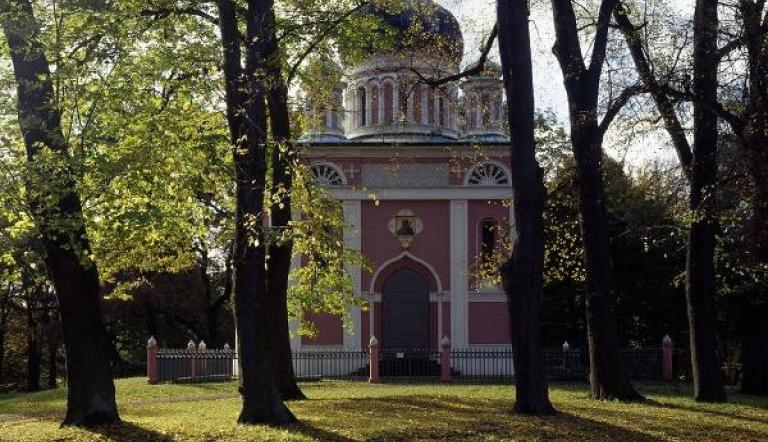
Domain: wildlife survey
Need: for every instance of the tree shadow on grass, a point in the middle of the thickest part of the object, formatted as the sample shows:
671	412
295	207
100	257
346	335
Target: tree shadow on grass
305	429
705	410
130	432
456	418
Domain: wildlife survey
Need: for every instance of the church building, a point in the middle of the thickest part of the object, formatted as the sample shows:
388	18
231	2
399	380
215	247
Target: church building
423	176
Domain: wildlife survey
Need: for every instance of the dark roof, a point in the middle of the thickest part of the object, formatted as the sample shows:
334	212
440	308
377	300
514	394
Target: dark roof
422	25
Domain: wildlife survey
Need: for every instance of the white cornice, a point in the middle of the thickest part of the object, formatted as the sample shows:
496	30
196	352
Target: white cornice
425	193
407	150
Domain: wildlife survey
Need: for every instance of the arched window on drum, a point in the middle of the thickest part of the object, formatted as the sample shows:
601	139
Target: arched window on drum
488	174
362	106
389	102
327	175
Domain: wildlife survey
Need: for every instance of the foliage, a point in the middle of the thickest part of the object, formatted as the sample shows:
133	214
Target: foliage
322	282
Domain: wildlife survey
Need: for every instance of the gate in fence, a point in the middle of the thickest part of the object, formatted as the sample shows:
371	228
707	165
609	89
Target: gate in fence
198	363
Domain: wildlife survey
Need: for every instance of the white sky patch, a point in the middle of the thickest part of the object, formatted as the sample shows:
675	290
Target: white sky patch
477	18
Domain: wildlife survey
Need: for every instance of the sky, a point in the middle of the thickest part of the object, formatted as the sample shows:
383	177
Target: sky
478	16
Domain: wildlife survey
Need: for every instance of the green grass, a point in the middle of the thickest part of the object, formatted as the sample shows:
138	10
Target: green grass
344	411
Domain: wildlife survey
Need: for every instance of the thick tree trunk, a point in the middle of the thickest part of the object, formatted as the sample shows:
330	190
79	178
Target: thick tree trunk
753	330
700	269
754	150
607	376
280	254
90	392
246	115
522	276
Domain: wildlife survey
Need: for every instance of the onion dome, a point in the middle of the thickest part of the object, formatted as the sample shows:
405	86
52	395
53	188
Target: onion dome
415	26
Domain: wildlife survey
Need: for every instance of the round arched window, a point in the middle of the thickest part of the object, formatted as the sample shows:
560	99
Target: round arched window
327	175
489	230
488	174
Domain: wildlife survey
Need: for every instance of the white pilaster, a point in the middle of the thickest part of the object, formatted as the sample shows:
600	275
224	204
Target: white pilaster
352	227
459	282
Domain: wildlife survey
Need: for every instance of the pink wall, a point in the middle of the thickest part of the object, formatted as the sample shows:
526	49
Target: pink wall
478	211
330	329
488	323
431	245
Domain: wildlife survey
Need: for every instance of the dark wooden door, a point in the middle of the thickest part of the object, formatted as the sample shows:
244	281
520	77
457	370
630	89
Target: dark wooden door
405	300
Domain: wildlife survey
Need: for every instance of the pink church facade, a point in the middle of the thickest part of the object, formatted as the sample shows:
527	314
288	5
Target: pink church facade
423	177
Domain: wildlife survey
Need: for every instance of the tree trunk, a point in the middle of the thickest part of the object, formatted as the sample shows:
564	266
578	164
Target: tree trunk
700	269
280	253
700	167
90	392
606	372
753	331
607	376
522	275
246	115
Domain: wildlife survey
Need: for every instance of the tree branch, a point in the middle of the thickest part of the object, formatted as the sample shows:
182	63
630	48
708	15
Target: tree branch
601	38
474	69
567	48
167	12
320	38
665	106
616	106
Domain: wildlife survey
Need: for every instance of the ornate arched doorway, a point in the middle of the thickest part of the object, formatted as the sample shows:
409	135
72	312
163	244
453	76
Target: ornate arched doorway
405	299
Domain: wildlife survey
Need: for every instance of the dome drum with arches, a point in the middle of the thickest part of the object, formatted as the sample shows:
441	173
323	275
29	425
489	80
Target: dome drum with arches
384	96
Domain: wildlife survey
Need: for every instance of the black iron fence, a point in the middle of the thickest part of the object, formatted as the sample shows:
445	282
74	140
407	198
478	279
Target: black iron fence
195	365
331	364
466	365
482	364
409	363
573	364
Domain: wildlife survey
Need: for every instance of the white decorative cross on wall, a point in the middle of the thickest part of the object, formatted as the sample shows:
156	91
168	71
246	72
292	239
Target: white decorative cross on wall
351	171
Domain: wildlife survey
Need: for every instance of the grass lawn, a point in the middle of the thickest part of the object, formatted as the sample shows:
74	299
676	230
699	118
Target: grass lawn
346	411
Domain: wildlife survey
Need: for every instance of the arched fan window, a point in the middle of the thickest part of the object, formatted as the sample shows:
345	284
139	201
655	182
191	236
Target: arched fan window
488	174
327	175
